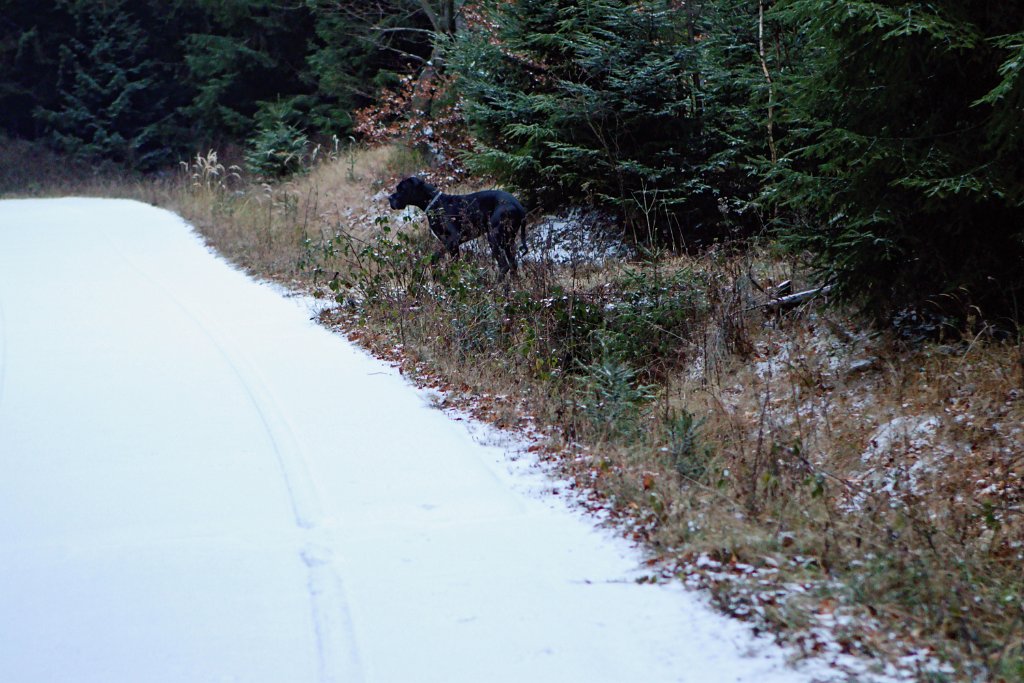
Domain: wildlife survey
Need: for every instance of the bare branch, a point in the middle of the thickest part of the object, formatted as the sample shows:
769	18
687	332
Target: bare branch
435	21
768	77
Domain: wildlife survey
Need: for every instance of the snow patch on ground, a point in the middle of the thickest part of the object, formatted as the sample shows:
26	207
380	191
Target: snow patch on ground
901	454
904	433
576	237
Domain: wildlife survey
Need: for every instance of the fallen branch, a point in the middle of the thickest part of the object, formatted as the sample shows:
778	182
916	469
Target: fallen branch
789	301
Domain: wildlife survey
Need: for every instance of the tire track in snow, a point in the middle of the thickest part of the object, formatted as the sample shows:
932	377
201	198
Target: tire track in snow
337	650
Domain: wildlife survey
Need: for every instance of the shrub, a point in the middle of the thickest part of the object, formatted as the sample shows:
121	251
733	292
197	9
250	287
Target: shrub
277	150
595	99
906	151
610	398
652	317
685	451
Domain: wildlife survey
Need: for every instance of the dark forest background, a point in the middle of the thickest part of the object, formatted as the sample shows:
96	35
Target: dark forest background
884	139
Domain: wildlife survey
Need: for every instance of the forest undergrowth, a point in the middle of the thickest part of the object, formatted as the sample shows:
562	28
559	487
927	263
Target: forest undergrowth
856	491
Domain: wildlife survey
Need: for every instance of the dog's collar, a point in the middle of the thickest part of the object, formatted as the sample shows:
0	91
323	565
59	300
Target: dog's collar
432	202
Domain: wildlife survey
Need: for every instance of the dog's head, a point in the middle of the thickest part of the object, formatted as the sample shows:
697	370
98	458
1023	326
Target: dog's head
411	191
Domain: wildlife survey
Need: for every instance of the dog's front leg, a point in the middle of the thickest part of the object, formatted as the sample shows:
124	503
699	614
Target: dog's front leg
439	229
451	239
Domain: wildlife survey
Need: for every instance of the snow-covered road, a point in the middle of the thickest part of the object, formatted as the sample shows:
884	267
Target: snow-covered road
199	484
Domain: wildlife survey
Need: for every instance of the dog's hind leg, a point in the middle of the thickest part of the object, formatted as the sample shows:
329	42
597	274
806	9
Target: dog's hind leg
502	249
502	238
500	256
510	255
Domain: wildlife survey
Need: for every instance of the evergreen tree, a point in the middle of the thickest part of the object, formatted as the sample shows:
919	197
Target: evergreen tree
600	98
743	53
248	52
361	48
107	106
31	33
279	147
905	158
144	82
509	82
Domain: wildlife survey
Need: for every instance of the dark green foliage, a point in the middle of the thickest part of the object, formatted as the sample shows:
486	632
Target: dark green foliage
31	32
739	102
508	97
598	99
279	148
610	397
647	316
685	450
106	107
361	48
145	83
247	52
95	79
905	159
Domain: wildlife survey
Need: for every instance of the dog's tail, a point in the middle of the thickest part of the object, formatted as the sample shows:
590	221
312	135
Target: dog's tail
522	229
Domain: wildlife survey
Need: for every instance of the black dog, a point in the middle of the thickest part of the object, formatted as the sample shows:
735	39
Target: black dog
458	218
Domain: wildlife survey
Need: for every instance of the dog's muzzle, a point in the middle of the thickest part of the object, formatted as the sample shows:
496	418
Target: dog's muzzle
395	202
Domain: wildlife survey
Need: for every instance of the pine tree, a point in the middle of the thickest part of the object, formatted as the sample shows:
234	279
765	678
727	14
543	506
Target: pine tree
904	160
599	98
146	82
509	78
31	33
107	107
249	51
363	47
743	53
634	119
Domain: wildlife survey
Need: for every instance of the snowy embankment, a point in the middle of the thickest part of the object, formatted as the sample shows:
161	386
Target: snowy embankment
200	484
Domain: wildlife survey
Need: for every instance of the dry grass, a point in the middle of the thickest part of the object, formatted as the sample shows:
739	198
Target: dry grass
897	471
30	169
850	492
268	228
